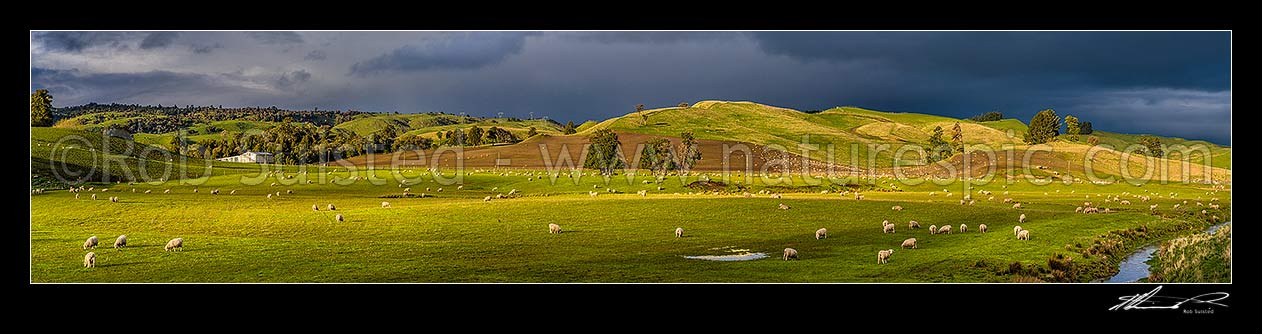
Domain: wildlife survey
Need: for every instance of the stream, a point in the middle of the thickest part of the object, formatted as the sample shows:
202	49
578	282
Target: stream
1134	268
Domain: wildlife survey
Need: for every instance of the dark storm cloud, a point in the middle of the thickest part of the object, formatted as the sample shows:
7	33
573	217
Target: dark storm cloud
291	79
276	37
77	41
158	39
1168	83
316	55
453	51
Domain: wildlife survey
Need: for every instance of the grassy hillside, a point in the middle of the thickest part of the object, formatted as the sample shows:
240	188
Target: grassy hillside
852	131
87	155
423	124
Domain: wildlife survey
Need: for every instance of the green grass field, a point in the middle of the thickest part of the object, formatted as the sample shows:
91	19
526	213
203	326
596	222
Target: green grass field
454	236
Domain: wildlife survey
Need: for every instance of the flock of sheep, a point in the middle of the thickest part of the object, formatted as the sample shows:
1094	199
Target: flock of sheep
89	259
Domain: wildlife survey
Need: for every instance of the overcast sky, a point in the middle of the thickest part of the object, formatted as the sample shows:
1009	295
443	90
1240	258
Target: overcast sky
1169	83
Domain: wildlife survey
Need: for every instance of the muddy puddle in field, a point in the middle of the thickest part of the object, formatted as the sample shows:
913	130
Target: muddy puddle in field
737	254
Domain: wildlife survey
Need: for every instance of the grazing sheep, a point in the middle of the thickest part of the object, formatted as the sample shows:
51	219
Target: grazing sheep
385	204
783	207
1078	209
1016	206
981	228
93	197
1176	206
991	198
76	196
340	218
1023	235
931	193
90	243
194	190
114	199
821	233
233	192
554	229
1007	200
315	207
884	256
1021	219
1154	207
971	202
897	208
269	195
945	229
933	229
889	228
148	191
790	253
963	228
89	260
214	192
289	191
775	196
909	243
174	244
857	196
913	224
679	232
488	199
277	194
1204	212
962	202
1016	230
121	241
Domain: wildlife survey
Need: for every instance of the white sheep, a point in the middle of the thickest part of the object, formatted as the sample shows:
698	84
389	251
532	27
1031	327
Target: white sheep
1154	207
945	229
981	228
790	253
1023	235
114	199
315	207
889	228
1016	206
340	218
174	244
933	229
1021	219
554	229
76	196
89	260
783	207
214	192
1078	209
385	204
884	256
121	241
148	191
821	233
289	191
913	224
963	228
331	208
679	232
233	192
897	208
909	243
93	197
269	195
486	199
90	243
1016	230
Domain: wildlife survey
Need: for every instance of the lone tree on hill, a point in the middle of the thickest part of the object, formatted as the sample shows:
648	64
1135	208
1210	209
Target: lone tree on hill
1072	127
1086	128
1043	127
603	152
691	152
41	108
1152	146
957	139
938	148
569	128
